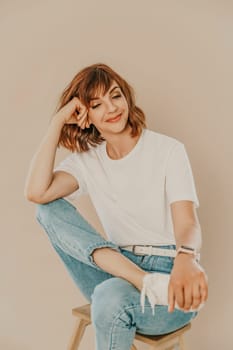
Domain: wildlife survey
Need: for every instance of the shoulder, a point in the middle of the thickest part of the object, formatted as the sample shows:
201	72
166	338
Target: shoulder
162	141
92	153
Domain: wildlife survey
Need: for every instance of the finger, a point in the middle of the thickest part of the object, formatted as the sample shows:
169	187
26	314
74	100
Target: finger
81	115
179	296
83	122
87	124
196	296
80	107
71	105
74	106
171	298
188	297
204	291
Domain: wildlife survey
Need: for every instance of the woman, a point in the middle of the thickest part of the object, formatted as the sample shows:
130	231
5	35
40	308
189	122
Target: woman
142	187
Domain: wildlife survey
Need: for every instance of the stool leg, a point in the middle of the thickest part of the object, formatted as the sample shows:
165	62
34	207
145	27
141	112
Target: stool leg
181	342
173	347
170	345
133	347
78	334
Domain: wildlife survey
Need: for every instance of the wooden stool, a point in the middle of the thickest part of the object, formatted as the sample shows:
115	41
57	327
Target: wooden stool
158	342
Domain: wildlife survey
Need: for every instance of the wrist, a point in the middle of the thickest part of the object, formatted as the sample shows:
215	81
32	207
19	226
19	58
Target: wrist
189	252
182	255
57	121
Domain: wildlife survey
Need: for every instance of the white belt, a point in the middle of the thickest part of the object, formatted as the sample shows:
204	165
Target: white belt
150	250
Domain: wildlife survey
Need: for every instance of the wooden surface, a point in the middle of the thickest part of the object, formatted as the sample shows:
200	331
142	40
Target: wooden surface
168	340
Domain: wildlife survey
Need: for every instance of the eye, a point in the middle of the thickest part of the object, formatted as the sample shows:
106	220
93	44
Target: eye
93	107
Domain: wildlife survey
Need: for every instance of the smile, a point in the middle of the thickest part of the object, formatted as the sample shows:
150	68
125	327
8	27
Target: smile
114	119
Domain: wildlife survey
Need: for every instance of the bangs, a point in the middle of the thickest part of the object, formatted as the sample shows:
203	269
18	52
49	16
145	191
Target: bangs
97	83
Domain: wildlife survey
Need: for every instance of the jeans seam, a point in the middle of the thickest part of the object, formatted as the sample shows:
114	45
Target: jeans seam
47	230
116	317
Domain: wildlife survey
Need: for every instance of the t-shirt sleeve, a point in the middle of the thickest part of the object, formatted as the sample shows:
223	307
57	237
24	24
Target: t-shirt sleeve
72	166
180	183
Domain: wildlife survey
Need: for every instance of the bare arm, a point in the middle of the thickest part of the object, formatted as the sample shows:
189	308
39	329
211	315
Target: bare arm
42	184
186	224
188	283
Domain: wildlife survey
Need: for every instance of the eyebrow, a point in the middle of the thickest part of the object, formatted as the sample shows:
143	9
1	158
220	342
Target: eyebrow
96	98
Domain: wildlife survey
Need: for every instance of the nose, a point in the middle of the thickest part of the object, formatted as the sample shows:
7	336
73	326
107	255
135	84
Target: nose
111	107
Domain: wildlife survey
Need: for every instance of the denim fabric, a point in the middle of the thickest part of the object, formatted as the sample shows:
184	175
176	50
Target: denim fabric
115	303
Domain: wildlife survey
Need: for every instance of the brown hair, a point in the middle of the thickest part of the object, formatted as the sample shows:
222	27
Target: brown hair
85	85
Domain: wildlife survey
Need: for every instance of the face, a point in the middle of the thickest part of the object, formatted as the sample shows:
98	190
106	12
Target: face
103	111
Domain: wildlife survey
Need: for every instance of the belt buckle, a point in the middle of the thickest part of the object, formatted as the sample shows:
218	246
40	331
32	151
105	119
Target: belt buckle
143	253
133	250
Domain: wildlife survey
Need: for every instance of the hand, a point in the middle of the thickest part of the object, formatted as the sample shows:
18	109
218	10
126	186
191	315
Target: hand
74	112
188	283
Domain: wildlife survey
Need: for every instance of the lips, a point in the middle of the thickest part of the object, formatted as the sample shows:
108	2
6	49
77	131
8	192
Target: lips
114	119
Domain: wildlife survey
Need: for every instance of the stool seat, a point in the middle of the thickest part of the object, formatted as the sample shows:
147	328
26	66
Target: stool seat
158	342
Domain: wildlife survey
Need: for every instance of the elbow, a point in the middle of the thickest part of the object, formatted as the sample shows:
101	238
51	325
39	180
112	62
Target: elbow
35	198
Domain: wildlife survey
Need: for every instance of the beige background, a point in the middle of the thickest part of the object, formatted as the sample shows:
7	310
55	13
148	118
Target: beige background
178	56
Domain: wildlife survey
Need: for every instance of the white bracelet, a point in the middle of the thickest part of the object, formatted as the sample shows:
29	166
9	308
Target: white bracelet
189	251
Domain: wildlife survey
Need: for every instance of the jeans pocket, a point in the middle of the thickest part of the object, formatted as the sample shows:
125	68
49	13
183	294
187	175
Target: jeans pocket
149	262
163	264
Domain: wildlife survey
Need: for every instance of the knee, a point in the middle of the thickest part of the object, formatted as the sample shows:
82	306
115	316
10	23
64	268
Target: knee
49	217
43	213
47	212
112	301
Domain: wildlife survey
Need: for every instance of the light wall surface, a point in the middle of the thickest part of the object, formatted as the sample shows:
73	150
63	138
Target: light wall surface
178	57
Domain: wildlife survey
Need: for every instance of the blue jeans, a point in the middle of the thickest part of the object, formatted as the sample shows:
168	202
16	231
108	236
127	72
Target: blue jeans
115	303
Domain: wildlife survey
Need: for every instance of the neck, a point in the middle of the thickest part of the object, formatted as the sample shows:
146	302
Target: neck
119	145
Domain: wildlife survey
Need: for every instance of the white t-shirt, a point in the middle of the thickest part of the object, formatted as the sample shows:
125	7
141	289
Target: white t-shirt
132	195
